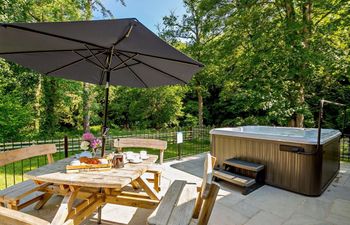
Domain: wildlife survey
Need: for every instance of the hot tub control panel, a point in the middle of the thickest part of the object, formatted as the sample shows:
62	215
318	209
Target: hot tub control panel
291	148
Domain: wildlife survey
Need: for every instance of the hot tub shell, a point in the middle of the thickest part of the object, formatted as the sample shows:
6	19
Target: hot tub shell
292	162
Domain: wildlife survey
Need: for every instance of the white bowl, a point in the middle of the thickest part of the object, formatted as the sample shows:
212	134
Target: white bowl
75	163
103	161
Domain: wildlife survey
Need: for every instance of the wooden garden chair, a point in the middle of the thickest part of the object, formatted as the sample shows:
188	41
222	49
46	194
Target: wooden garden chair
22	194
121	143
182	205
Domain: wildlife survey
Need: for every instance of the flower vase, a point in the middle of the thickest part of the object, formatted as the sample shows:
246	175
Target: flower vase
97	152
85	154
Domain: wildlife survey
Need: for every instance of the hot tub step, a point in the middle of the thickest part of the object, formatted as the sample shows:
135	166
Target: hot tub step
239	180
255	167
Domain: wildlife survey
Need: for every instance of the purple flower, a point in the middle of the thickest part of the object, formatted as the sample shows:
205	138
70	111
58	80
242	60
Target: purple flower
96	143
88	137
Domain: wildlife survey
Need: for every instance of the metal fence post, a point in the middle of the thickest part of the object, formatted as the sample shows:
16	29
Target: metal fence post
65	146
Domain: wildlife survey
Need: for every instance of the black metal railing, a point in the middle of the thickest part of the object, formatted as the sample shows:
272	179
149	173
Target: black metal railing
195	141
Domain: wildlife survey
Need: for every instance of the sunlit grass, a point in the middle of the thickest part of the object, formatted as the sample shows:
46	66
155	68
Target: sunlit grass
15	171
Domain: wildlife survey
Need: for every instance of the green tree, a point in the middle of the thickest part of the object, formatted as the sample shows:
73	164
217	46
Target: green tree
273	56
146	108
198	27
16	113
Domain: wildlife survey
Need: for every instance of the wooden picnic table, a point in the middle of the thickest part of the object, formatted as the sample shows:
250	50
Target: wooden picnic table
95	189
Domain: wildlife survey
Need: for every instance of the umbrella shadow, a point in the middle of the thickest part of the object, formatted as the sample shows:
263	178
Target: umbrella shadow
194	167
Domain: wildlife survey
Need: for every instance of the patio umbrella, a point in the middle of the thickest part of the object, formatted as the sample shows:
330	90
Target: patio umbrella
117	52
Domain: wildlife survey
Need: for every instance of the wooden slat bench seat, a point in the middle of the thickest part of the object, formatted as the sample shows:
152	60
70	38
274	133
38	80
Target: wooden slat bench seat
21	194
177	205
182	205
157	175
12	217
27	192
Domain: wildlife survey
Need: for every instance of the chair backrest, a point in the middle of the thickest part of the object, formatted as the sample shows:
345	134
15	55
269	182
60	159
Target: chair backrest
121	143
7	157
207	175
139	143
208	205
207	194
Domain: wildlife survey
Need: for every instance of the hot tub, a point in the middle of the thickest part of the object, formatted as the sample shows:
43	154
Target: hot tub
290	155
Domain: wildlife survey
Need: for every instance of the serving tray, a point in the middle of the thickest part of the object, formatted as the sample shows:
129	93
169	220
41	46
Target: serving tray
88	168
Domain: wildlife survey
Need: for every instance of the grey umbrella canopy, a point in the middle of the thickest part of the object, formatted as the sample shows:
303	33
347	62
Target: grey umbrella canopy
118	52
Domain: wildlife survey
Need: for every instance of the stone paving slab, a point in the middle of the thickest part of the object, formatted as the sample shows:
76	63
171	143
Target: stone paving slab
267	205
301	219
265	218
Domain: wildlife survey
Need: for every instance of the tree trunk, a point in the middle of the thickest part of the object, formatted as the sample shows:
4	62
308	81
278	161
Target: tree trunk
301	101
49	119
200	108
307	26
37	105
298	119
86	107
290	21
86	88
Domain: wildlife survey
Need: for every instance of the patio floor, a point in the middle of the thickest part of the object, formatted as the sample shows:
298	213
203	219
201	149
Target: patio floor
267	205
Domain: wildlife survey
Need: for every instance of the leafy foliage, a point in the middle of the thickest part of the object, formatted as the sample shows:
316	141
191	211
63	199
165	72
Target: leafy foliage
266	63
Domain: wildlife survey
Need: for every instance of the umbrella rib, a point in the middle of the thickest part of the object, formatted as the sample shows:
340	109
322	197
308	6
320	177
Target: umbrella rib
52	35
69	64
137	76
159	70
133	72
89	60
126	35
101	64
161	57
126	65
47	51
123	62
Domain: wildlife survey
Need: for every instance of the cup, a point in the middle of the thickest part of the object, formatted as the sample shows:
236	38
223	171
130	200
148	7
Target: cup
143	154
129	155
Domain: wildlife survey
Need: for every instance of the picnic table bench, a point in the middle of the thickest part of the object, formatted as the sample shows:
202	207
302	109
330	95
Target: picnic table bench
27	192
182	204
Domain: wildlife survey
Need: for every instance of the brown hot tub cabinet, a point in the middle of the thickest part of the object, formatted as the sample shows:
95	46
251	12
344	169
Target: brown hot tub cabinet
291	158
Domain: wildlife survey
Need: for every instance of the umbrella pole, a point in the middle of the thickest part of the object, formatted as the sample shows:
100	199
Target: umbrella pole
105	128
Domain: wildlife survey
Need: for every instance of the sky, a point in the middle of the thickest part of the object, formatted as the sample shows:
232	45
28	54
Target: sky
148	12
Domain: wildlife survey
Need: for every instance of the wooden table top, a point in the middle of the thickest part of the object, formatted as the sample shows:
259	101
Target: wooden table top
114	178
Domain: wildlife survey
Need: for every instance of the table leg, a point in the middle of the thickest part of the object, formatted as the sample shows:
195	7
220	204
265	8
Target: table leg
43	201
99	212
65	207
148	188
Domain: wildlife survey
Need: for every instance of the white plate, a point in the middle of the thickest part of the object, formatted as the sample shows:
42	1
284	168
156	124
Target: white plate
135	161
147	157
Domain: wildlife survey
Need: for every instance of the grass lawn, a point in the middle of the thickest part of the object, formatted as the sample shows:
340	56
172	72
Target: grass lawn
13	173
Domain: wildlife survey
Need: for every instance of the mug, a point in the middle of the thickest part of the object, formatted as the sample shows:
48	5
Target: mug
143	154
